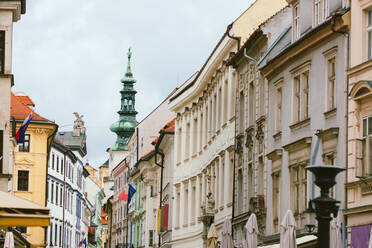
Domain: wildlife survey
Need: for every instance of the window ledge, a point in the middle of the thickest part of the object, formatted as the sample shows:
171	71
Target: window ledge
229	204
185	225
330	113
194	155
300	124
192	223
177	228
232	119
218	131
221	208
277	135
178	163
3	175
186	160
224	125
209	142
205	147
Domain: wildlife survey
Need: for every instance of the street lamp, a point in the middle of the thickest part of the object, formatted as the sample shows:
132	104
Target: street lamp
325	178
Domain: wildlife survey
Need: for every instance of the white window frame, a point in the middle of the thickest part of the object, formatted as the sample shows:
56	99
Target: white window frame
296	31
299	102
330	55
369	34
278	85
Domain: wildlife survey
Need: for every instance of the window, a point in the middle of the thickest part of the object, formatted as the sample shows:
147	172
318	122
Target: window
240	191
194	137
320	11
276	197
62	165
1	150
364	150
51	235
151	238
331	84
186	205
52	161
299	188
241	112
193	203
369	34
278	109
251	104
296	21
179	145
23	180
301	96
188	137
61	198
25	146
305	77
2	51
225	100
52	193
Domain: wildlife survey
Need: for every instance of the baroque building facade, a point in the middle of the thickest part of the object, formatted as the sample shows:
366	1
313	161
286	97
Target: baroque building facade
31	159
250	188
305	73
205	135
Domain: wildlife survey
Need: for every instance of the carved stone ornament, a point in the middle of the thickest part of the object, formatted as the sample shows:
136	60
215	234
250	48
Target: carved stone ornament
249	140
259	132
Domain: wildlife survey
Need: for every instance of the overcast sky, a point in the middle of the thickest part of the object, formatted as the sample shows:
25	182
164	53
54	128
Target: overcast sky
69	55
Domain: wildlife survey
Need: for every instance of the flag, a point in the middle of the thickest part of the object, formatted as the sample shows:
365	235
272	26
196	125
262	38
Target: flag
83	243
132	191
20	136
123	195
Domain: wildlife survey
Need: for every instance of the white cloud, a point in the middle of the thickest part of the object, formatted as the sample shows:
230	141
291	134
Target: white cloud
70	55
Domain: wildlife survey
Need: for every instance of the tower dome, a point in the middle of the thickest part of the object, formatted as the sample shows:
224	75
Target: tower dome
125	126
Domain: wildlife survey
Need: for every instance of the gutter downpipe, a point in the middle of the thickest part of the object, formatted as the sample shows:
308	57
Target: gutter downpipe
347	66
161	165
254	115
229	27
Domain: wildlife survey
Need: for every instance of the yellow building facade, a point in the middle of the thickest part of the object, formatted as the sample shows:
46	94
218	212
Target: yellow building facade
30	160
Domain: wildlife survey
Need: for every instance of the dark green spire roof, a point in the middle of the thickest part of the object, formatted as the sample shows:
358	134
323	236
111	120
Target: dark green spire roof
124	128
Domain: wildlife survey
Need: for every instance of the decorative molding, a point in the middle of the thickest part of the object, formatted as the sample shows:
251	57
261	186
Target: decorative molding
298	144
300	124
330	113
275	155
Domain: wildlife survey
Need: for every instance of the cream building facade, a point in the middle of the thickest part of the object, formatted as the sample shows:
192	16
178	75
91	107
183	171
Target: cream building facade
305	74
205	135
359	180
250	188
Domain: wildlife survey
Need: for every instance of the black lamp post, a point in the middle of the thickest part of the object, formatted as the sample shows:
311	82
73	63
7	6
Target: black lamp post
325	178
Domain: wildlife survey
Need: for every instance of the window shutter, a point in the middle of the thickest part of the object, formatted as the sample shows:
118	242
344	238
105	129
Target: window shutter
359	158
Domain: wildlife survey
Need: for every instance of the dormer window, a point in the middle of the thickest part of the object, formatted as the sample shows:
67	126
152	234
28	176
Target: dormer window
296	21
320	11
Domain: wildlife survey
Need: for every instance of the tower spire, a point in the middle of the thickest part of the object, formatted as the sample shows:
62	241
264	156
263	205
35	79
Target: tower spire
124	128
129	70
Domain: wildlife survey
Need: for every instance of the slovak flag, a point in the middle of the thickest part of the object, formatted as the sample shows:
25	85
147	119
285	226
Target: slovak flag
20	135
83	243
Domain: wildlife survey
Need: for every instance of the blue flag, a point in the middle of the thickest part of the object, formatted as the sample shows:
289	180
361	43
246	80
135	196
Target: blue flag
131	192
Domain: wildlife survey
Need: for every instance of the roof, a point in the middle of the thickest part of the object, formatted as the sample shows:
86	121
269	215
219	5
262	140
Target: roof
26	100
167	129
105	164
73	142
19	109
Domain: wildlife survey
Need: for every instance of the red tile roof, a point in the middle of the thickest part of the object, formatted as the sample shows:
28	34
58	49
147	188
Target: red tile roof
19	109
168	128
147	154
26	100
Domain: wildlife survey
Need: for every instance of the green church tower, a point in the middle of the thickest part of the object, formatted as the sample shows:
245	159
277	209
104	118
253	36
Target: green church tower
125	127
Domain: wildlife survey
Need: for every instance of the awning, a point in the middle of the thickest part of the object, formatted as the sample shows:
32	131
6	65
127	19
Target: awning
299	241
16	211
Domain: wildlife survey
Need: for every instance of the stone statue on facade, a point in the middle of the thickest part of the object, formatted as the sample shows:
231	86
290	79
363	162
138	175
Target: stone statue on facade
79	127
